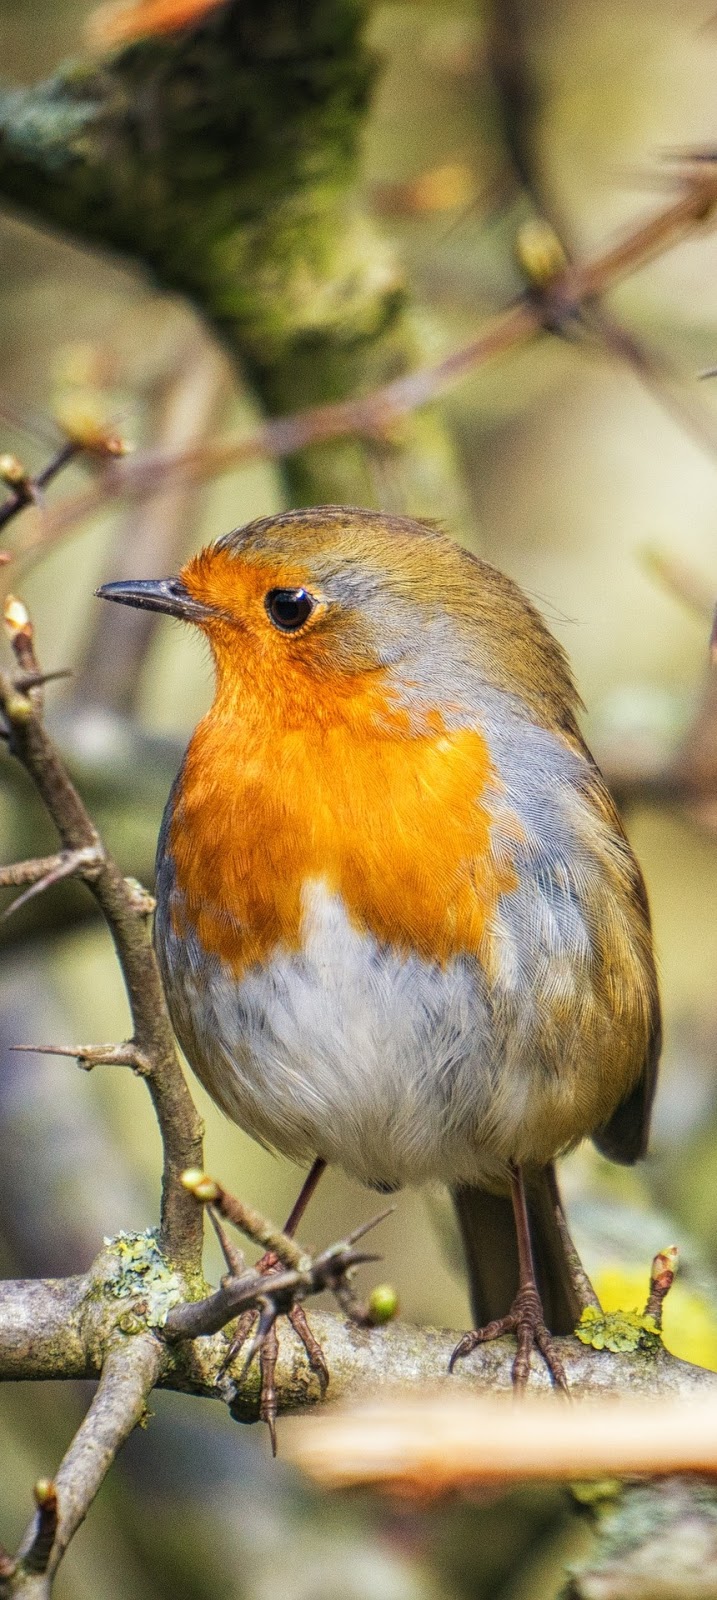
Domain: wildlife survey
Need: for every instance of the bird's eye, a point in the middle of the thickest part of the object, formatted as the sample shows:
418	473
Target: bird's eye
289	609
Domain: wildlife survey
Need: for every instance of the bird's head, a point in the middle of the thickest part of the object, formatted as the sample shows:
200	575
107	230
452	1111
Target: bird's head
335	593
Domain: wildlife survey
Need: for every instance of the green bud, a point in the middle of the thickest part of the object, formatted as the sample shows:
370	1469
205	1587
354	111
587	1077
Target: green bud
382	1304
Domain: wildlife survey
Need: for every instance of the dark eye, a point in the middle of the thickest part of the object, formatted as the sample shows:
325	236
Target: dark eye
289	609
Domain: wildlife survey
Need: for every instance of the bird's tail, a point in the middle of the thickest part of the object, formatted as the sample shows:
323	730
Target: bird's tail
489	1241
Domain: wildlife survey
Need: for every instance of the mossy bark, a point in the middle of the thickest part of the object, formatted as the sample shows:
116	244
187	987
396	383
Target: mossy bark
225	157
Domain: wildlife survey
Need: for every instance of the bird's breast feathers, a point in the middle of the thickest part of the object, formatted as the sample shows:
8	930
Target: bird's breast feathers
410	952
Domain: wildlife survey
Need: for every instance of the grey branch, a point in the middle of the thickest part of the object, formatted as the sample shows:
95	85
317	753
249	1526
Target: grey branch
125	915
63	1328
128	1376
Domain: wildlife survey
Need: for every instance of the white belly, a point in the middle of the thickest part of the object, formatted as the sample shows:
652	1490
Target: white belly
392	1067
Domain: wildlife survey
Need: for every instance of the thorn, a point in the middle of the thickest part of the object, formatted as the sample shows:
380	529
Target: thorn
233	1256
38	1556
357	1258
37	680
67	865
366	1227
94	1055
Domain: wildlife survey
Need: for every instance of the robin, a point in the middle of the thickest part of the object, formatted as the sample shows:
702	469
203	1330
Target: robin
398	920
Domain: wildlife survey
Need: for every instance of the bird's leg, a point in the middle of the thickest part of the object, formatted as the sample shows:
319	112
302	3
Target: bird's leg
525	1318
265	1340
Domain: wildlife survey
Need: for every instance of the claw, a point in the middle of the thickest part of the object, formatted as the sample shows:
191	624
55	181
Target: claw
314	1353
525	1320
264	1341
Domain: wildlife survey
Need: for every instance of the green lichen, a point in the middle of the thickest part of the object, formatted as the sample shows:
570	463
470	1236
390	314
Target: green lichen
134	1269
619	1331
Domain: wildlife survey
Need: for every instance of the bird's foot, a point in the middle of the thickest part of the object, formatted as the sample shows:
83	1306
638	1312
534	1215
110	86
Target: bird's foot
526	1320
285	1276
276	1292
262	1319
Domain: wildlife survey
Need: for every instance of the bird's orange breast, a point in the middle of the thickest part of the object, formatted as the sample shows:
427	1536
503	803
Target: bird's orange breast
275	796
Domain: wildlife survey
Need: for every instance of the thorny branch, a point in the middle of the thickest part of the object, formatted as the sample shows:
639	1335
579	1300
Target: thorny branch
568	293
135	1320
85	856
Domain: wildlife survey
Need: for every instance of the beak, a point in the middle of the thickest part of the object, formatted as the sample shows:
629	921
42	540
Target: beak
157	594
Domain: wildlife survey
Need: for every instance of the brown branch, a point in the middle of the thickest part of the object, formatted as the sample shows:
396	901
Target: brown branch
128	1376
181	1230
155	536
88	1056
52	1328
37	1558
25	489
580	284
443	1442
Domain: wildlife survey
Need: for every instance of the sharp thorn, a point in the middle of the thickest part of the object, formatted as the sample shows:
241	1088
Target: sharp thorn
37	680
356	1259
366	1227
27	894
233	1256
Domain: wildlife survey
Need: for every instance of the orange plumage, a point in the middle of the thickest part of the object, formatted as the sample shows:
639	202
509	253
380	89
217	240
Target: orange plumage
399	922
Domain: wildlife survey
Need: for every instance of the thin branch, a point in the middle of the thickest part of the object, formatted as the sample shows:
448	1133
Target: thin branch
152	470
443	1442
88	1056
128	1376
126	917
25	489
282	1291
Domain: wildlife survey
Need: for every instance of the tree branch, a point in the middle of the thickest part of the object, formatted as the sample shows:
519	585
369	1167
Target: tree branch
128	1376
62	1328
224	155
564	298
126	917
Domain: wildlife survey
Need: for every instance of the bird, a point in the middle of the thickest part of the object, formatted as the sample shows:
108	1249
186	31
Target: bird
400	926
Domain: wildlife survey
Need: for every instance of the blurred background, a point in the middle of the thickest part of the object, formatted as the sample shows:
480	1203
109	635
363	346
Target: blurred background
592	480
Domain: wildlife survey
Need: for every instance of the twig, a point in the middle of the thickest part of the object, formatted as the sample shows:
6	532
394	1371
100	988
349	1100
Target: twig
181	1230
26	489
207	1191
331	1269
662	1277
37	1558
153	470
88	1056
443	1442
129	1374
